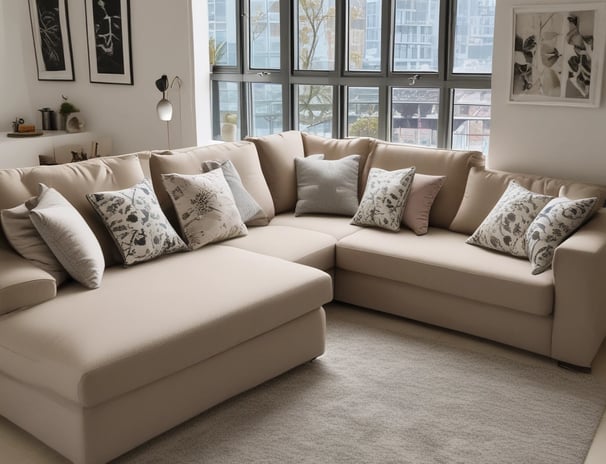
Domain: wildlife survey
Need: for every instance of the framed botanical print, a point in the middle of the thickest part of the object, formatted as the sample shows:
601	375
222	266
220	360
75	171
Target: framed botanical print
109	41
52	42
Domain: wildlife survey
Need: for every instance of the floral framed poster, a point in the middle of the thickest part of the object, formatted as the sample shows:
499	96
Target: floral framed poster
558	54
109	44
52	42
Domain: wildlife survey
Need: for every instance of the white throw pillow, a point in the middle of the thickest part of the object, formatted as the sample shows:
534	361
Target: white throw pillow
504	229
205	207
68	236
557	221
384	198
136	222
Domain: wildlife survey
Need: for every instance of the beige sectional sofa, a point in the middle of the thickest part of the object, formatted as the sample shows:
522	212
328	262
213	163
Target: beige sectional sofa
161	341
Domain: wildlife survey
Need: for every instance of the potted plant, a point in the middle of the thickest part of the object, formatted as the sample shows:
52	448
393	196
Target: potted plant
65	110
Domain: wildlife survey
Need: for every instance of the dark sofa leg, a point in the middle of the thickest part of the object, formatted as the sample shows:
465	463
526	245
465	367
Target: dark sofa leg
574	367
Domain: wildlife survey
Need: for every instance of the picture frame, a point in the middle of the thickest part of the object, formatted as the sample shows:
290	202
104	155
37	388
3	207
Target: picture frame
52	40
558	54
109	41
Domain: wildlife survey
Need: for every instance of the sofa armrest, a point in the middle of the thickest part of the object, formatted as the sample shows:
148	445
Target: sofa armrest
22	284
579	269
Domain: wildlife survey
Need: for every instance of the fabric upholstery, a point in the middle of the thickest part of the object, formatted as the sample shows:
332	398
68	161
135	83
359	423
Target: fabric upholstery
308	247
442	262
120	341
422	194
277	155
243	155
74	181
336	226
485	187
453	164
327	186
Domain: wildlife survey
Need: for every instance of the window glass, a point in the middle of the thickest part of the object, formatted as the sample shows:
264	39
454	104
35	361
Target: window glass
229	111
414	116
264	26
416	35
364	22
363	111
315	109
471	119
266	108
222	32
316	35
474	31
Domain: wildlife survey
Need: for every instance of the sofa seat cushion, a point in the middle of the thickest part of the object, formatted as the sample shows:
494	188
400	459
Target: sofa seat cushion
147	322
442	261
337	226
302	246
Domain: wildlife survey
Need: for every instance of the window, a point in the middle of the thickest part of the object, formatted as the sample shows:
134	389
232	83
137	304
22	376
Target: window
382	68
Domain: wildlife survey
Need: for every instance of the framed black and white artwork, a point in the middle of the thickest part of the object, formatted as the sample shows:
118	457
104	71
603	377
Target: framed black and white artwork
109	47
52	44
558	54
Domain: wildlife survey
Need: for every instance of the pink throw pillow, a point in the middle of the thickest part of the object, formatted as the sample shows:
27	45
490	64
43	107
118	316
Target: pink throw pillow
420	199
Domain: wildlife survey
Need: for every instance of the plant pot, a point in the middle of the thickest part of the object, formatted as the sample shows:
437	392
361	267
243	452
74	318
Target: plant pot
73	123
228	132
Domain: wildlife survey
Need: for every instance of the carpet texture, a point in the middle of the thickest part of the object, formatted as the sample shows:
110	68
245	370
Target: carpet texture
381	397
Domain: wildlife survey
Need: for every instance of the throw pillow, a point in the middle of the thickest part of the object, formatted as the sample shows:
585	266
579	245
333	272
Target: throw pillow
327	186
68	236
422	194
504	229
25	240
384	198
205	207
250	211
136	223
556	222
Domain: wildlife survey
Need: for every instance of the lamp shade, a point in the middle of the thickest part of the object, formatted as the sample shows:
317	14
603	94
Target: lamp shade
164	109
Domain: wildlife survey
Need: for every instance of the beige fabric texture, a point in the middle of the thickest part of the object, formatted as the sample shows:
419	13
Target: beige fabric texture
22	283
74	181
101	356
453	164
334	149
579	267
315	249
443	262
244	157
336	226
422	194
485	187
99	434
277	155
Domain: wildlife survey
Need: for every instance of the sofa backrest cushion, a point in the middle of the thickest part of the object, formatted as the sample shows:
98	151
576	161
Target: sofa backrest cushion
453	164
189	161
485	187
277	155
334	149
74	181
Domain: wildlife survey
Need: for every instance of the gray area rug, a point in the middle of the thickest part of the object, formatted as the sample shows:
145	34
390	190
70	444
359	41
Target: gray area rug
382	397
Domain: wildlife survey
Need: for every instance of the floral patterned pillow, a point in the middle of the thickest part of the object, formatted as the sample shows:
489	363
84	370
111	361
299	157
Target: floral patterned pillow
556	222
205	207
384	198
136	223
504	229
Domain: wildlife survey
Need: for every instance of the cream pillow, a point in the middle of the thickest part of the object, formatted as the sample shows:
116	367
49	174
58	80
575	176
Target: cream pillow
68	236
205	206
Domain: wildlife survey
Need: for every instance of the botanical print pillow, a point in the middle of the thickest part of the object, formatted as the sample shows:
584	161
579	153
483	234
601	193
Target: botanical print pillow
205	207
504	229
384	198
136	223
556	222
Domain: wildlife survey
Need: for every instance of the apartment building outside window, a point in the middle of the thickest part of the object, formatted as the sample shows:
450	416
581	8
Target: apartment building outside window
411	71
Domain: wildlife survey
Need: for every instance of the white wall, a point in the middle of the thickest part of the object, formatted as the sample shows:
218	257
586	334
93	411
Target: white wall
551	140
161	44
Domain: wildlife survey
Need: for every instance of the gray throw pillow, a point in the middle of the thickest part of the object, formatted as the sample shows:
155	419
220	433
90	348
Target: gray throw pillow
136	223
554	224
384	198
250	211
327	186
